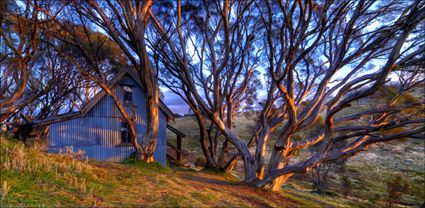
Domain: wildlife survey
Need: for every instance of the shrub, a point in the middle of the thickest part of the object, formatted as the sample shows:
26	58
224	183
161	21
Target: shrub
320	178
200	162
374	199
397	186
346	185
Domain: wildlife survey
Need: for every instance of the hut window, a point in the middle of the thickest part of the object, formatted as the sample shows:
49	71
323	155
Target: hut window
125	133
128	95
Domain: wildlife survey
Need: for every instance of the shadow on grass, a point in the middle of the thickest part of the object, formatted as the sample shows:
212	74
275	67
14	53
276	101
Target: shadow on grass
209	180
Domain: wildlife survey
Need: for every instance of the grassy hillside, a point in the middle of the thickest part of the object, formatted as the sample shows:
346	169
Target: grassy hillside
32	178
369	171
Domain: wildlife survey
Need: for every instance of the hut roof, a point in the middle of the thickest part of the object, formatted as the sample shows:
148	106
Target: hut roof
89	105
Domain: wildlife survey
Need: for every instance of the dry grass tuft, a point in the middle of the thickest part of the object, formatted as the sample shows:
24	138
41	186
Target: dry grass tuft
4	190
30	161
15	158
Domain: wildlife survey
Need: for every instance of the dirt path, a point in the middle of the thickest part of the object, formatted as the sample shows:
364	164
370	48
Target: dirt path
256	197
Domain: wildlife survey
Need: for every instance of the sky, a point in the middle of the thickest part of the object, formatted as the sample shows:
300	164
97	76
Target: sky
174	102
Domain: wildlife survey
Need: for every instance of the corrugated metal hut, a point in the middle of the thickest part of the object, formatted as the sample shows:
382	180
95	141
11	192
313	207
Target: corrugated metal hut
99	129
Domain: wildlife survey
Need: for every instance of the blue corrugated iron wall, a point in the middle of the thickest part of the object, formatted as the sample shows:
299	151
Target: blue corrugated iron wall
98	133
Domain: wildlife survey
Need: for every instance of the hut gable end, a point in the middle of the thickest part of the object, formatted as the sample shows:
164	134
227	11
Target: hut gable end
98	129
